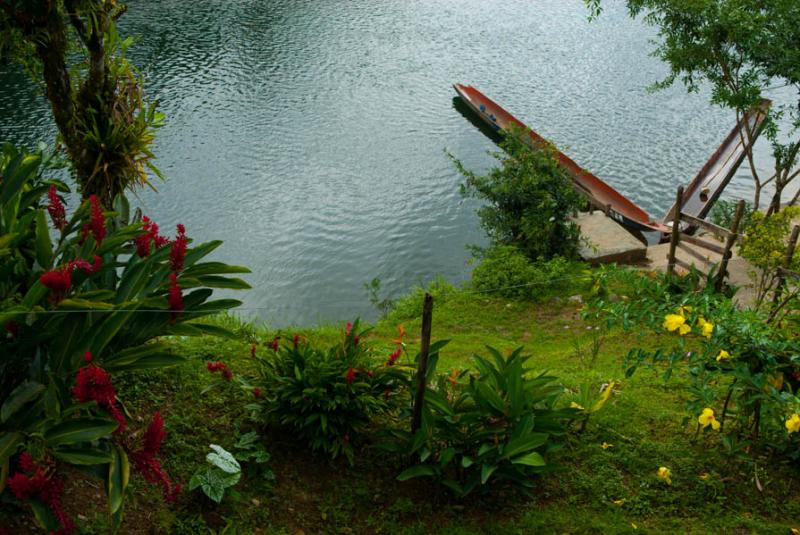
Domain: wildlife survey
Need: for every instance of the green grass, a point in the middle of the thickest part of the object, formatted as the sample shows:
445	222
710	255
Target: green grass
643	421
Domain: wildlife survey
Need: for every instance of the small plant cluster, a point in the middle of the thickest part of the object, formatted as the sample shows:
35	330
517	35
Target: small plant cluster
496	424
326	397
504	270
81	297
743	371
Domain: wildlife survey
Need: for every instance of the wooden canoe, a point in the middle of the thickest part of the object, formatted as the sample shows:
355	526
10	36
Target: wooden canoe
706	187
600	195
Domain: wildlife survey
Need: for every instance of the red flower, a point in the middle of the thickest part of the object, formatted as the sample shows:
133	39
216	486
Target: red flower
356	340
394	356
274	343
351	375
178	252
145	459
155	435
93	383
348	328
98	220
56	209
296	340
58	280
87	357
150	236
257	392
174	297
252	350
221	367
47	488
86	266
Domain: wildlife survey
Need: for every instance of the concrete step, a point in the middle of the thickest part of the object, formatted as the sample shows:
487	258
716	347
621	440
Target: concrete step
604	241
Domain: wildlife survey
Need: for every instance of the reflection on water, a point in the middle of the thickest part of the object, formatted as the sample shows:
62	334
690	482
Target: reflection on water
311	136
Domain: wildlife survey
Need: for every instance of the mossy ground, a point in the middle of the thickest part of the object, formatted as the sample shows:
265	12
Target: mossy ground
643	421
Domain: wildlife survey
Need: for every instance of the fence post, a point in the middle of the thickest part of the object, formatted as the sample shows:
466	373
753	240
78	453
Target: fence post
787	263
422	365
676	231
726	256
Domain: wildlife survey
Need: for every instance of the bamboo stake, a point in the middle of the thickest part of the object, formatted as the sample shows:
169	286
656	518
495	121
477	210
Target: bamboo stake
422	365
723	265
676	230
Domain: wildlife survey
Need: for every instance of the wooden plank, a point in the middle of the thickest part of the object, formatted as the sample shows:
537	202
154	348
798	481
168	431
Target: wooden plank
726	255
706	225
676	230
422	365
684	265
692	252
705	244
787	273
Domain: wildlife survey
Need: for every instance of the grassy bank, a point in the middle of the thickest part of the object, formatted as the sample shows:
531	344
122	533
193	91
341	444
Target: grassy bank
596	490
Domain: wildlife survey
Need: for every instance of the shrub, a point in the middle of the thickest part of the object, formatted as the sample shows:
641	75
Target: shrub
409	306
74	310
505	269
742	372
495	425
529	200
723	212
326	397
764	245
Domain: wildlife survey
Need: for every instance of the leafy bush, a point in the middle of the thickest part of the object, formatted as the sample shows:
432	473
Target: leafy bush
224	472
480	428
529	200
723	212
764	245
326	398
505	269
409	306
742	371
75	309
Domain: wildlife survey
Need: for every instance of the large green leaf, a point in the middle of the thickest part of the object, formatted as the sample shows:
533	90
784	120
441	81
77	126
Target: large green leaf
213	268
24	393
9	442
83	456
222	459
524	443
159	360
531	459
100	335
420	470
118	476
486	472
79	430
44	247
17	172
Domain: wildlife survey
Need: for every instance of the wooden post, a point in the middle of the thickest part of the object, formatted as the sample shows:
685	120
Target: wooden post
787	263
422	365
726	256
676	231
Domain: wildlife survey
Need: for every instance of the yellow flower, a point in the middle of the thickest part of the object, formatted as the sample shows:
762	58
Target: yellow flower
793	423
665	474
706	327
619	503
606	445
704	476
673	322
634	526
574	405
685	310
723	355
707	418
794	531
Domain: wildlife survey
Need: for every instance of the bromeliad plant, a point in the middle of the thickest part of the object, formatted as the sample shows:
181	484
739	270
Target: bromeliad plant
326	397
478	429
82	297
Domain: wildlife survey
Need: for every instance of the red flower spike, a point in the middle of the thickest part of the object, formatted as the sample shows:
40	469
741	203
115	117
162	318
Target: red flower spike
98	220
56	209
58	281
85	231
257	392
87	357
93	383
178	252
26	462
145	459
47	488
351	375
155	435
296	340
252	350
274	343
394	356
174	296
348	328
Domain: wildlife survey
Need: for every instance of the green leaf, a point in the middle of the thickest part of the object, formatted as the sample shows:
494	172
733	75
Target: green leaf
486	472
420	470
531	459
159	360
44	247
9	442
490	395
24	393
222	459
446	456
118	477
523	444
466	462
84	456
79	430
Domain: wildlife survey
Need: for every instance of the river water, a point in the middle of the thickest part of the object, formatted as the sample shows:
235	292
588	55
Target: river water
310	135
